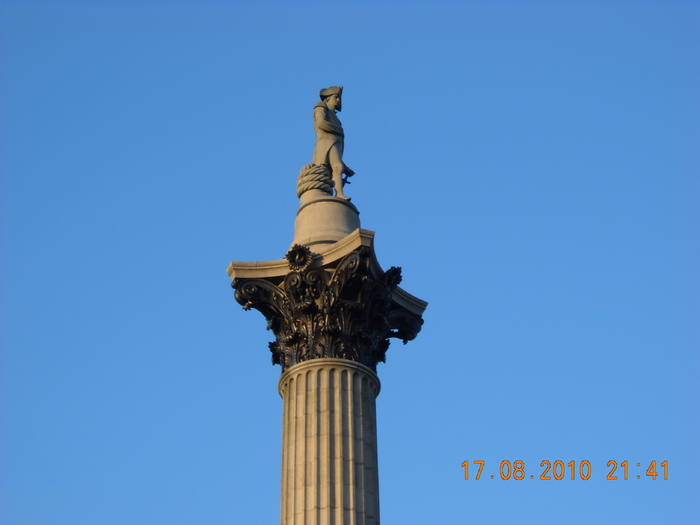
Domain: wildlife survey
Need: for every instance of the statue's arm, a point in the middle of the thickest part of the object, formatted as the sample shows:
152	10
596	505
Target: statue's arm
323	124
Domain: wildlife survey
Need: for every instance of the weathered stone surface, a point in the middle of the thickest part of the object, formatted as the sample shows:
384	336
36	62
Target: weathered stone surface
314	178
329	444
330	138
322	219
344	310
332	310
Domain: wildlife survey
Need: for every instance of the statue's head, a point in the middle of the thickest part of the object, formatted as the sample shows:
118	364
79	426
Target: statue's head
329	96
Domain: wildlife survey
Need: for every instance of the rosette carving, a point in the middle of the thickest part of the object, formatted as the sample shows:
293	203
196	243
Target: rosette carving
343	312
299	257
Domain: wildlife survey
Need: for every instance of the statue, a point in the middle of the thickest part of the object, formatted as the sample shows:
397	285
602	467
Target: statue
330	138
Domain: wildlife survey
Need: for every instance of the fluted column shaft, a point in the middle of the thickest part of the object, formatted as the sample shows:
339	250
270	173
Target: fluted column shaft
329	444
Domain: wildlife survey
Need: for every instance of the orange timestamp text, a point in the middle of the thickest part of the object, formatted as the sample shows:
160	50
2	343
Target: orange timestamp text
559	470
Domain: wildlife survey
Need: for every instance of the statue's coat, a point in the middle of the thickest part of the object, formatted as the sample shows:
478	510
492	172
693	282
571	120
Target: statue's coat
329	135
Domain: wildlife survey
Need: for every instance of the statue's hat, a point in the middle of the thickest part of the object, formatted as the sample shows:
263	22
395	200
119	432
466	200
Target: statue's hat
333	90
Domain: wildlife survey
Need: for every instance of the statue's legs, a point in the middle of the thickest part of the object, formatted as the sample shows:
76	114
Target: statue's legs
337	169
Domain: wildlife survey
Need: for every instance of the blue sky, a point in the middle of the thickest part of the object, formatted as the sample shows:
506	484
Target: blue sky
532	167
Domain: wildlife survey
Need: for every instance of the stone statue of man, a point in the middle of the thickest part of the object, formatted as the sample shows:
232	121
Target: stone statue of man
330	138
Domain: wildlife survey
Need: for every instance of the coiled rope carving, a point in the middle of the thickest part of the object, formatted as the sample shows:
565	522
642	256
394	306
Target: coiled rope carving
314	177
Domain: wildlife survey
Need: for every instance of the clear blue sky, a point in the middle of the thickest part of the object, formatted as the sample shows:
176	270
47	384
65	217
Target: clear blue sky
533	167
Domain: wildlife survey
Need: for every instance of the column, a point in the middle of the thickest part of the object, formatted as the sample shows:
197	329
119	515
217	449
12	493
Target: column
329	444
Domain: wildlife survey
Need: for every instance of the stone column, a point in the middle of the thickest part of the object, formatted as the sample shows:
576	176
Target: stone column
329	444
332	313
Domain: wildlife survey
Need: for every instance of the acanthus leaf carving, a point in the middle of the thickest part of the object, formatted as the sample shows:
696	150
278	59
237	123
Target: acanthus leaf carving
318	312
